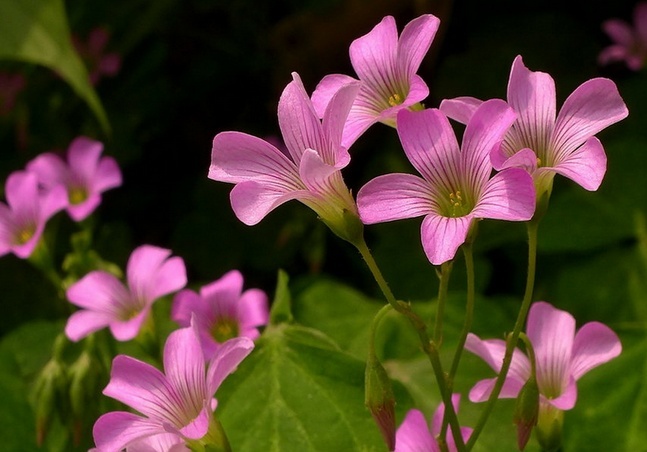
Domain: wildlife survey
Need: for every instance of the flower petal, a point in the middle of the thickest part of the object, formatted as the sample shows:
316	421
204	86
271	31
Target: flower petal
413	434
84	322
99	291
492	351
107	175
415	40
509	195
524	158
566	400
586	165
441	236
551	332
252	201
253	309
394	197
326	89
481	391
593	106
333	125
50	169
460	109
83	157
594	344
116	430
185	303
126	330
439	414
152	273
619	31
226	360
640	21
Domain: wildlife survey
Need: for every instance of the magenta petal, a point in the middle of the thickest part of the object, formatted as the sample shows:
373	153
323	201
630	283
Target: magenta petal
114	431
619	31
51	202
640	21
299	123
394	197
184	364
593	106
49	168
108	175
375	53
418	90
362	116
199	426
126	330
586	165
492	352
437	418
252	201
612	54
253	308
566	400
226	360
185	303
509	195
333	125
152	273
21	191
441	236
83	157
316	173
460	109
594	344
481	391
164	442
98	291
415	40
326	89
84	322
524	158
79	212
413	434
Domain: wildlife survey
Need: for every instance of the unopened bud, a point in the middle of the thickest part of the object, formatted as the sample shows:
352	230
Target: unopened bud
48	395
379	399
526	411
549	427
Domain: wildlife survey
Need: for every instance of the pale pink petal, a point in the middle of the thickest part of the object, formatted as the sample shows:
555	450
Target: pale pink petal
523	158
165	442
481	391
413	434
418	90
441	236
21	192
509	195
619	31
99	291
79	212
226	360
108	175
333	125
492	352
83	157
115	431
594	344
238	157
362	116
593	106
184	366
50	169
394	197
83	322
52	202
199	426
252	201
373	56
299	123
152	273
586	165
326	89
126	330
460	109
439	414
185	303
253	309
613	53
551	332
566	400
415	40
532	96
430	145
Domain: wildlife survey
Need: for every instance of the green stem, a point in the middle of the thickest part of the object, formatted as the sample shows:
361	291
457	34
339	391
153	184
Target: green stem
511	343
445	272
428	346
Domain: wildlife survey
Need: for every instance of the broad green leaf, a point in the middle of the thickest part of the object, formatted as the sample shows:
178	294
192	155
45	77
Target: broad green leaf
36	31
297	392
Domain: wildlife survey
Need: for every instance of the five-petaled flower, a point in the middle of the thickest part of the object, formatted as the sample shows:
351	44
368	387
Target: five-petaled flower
222	311
265	177
562	356
178	401
387	68
630	43
85	175
456	186
23	218
415	434
106	301
543	143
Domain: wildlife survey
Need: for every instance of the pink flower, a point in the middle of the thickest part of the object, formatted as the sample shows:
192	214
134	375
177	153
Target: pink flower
387	68
562	356
23	218
455	187
414	434
265	177
164	442
222	311
544	144
93	53
10	86
106	301
630	43
85	175
178	401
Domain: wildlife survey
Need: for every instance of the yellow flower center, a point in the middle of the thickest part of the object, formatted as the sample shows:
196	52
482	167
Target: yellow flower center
25	235
457	205
224	329
395	100
77	195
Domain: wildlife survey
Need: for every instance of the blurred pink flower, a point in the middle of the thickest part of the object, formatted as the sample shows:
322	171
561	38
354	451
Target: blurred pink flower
23	218
178	401
85	175
562	356
456	186
629	43
386	66
222	311
10	86
92	51
106	301
545	143
415	434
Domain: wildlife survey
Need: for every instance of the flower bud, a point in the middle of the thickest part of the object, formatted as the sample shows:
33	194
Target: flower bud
526	411
549	427
48	396
379	399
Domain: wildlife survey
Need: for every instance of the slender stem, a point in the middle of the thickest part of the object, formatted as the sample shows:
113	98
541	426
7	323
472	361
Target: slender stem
467	322
445	272
428	346
514	336
384	310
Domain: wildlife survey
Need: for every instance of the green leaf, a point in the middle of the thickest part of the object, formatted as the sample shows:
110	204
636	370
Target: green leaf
36	31
297	392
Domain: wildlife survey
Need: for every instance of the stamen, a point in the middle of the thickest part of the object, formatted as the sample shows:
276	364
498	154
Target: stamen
77	195
395	100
